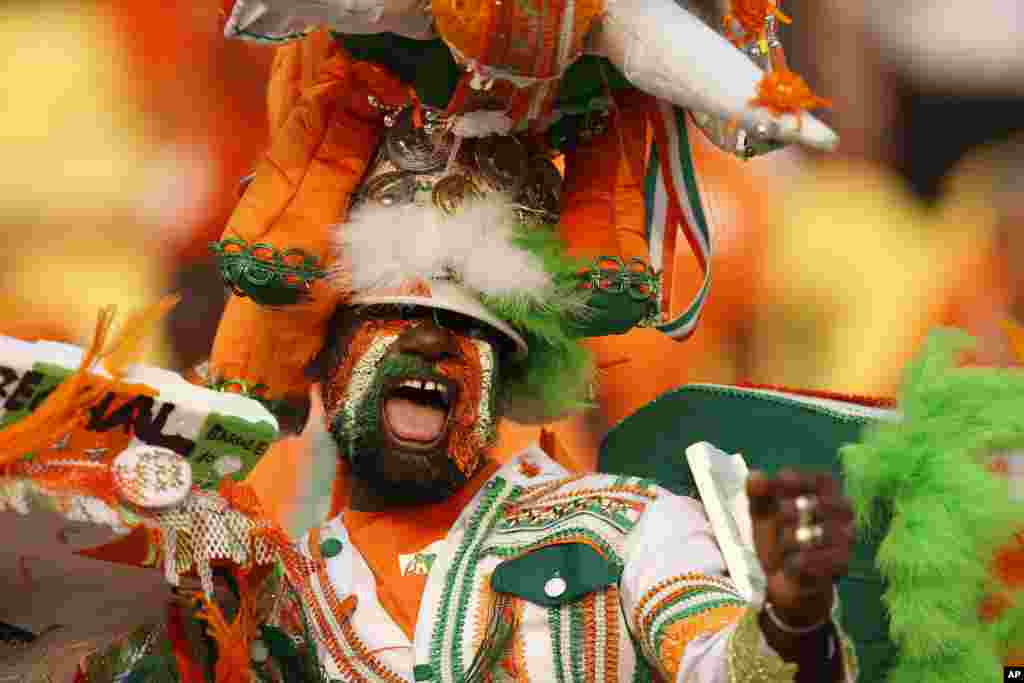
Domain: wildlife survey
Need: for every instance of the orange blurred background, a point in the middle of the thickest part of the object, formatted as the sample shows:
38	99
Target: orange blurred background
130	124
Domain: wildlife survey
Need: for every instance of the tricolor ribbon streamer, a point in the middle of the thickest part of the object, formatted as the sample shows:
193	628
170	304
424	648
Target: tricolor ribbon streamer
673	203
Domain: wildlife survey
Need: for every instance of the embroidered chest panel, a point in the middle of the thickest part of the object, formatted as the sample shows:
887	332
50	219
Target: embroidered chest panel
481	634
598	511
326	611
473	633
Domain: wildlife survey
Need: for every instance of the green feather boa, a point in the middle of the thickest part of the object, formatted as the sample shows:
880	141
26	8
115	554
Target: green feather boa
949	514
556	378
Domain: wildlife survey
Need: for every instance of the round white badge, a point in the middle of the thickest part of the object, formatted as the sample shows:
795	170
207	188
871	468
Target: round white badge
152	477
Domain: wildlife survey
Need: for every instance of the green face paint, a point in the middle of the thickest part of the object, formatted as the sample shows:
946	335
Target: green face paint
356	424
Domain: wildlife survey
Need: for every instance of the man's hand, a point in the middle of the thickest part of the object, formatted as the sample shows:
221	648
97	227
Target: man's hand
803	531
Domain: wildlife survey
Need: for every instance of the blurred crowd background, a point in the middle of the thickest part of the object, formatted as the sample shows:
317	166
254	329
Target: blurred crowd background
126	127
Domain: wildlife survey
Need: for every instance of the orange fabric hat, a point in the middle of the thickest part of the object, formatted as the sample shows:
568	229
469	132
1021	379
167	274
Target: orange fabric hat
275	250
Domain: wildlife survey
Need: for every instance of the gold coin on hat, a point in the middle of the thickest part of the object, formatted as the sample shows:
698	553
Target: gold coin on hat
451	191
391	188
542	190
413	149
503	162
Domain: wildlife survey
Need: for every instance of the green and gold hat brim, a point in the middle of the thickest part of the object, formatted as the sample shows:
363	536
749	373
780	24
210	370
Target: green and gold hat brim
449	296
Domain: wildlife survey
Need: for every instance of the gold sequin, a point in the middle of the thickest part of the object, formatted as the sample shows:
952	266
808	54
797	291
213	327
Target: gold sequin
750	661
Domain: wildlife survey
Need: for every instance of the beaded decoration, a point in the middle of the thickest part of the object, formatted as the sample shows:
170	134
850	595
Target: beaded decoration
677	610
751	660
262	272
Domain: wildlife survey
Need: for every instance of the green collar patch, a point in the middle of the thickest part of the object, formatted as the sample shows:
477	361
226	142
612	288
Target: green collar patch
555	575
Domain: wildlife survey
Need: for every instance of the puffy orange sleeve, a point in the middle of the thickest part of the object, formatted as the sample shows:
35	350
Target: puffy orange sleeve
323	135
603	201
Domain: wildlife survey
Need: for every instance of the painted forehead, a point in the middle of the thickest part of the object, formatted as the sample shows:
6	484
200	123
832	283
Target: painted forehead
366	318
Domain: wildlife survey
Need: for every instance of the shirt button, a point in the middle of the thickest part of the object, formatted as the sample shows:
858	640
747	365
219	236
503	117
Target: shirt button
330	548
555	587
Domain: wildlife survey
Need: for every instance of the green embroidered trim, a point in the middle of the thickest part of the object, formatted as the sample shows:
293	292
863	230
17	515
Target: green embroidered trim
611	274
621	296
606	548
581	507
467	586
643	483
576	636
239	386
280	280
659	633
642	672
702	594
555	629
266	38
474	531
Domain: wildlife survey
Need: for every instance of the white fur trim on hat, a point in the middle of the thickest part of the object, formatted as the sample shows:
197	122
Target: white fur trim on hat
385	247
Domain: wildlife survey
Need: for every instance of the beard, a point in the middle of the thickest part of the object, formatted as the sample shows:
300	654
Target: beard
405	478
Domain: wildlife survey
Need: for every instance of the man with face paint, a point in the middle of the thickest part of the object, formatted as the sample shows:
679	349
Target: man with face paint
444	565
446	299
412	405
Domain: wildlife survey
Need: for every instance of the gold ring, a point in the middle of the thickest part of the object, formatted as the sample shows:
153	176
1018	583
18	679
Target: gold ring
805	507
809	535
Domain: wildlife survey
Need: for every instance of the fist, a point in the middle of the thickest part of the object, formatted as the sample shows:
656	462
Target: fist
803	532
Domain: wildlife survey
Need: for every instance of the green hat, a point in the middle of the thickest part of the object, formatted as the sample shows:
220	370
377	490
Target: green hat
772	429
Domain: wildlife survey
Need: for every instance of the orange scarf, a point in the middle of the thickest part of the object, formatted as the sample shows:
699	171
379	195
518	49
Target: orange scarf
381	537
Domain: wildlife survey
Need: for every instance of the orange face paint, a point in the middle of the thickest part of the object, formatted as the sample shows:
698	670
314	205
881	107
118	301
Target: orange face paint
352	394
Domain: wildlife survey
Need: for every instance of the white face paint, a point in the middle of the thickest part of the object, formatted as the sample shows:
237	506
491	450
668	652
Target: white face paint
487	423
363	375
389	403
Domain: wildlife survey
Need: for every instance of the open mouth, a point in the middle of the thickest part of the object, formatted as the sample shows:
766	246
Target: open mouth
417	412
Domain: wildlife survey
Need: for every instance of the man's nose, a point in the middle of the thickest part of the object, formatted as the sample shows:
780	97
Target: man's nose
428	341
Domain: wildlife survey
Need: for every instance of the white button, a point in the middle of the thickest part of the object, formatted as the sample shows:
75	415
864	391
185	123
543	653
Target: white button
152	477
555	587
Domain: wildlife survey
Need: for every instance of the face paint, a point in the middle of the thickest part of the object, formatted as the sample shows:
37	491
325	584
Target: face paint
356	401
487	419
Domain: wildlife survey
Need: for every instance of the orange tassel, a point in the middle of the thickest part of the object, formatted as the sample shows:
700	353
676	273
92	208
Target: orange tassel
188	672
784	92
750	15
67	407
127	348
233	639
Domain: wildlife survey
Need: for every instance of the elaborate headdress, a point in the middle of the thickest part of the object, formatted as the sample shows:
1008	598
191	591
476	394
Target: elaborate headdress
432	226
480	99
487	261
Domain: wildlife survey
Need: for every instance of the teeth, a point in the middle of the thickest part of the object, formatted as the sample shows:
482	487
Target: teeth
426	386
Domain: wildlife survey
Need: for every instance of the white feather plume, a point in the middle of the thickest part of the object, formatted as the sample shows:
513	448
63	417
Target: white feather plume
383	247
